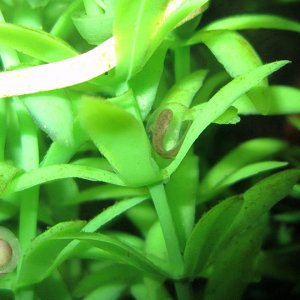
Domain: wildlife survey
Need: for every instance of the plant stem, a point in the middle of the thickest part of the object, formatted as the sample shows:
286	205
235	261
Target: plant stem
160	201
182	62
183	290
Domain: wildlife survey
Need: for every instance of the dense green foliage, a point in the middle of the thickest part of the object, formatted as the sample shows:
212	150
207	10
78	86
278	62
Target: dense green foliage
104	134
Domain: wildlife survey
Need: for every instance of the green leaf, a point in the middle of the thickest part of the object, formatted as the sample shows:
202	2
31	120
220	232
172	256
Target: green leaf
134	38
145	83
55	172
37	3
251	170
208	232
115	131
42	46
111	291
107	274
95	29
236	55
234	267
120	251
248	152
177	13
241	22
230	49
58	108
282	100
93	225
103	192
244	172
219	103
53	287
259	199
43	252
7	173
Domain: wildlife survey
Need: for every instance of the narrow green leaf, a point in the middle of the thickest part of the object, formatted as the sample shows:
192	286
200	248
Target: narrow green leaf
43	251
114	131
104	192
111	291
93	225
254	22
248	152
251	170
244	172
121	252
218	104
42	46
55	172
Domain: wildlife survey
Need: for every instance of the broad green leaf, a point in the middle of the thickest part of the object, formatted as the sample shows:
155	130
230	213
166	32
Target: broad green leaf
53	287
254	22
105	275
232	50
234	267
236	55
115	131
134	38
43	251
95	28
219	103
259	199
55	172
58	108
146	82
181	192
42	46
120	251
282	100
207	234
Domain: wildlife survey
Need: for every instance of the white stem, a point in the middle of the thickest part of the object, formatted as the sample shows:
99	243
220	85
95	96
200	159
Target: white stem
59	74
70	71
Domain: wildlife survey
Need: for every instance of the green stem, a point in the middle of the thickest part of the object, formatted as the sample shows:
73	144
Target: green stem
29	159
182	62
183	290
2	129
160	201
